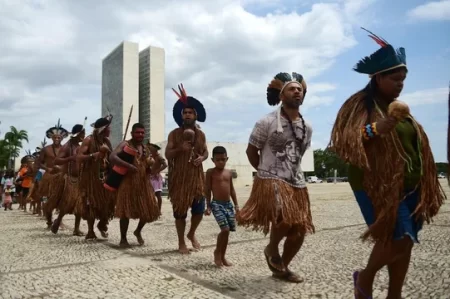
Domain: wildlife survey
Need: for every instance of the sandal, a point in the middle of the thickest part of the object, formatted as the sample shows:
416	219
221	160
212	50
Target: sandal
273	262
288	276
357	288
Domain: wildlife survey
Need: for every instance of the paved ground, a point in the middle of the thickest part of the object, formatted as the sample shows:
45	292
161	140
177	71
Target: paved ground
34	263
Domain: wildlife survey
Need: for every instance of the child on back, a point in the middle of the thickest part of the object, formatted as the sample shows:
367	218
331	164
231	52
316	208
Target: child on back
219	182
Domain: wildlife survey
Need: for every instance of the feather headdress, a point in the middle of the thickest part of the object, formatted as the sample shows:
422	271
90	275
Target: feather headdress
57	130
185	101
27	158
43	144
384	59
77	129
102	123
279	82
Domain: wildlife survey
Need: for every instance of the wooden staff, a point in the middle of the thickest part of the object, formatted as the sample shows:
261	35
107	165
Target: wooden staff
128	122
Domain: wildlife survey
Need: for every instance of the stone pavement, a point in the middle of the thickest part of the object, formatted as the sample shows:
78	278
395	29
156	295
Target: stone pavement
34	263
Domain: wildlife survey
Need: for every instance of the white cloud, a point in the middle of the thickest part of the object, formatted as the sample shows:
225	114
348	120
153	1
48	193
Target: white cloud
224	55
426	97
431	11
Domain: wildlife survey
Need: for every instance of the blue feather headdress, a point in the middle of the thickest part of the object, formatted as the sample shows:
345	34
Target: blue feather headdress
384	59
185	101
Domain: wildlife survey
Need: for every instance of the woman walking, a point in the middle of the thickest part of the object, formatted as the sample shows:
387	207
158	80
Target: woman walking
392	170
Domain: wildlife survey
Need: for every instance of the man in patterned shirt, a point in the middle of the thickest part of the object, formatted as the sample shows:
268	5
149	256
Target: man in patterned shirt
279	196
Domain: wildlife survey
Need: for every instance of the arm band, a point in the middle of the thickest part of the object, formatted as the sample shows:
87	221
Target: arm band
369	131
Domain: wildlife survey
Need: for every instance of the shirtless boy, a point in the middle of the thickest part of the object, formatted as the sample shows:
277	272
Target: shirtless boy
219	181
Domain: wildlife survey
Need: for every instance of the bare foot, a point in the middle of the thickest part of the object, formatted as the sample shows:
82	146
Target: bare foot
194	241
124	244
226	263
217	259
78	233
183	249
91	236
139	238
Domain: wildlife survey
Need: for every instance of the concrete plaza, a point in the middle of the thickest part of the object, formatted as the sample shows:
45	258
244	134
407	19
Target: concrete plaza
34	263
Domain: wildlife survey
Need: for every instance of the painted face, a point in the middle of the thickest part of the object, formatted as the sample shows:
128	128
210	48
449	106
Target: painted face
189	116
391	85
56	139
293	95
138	134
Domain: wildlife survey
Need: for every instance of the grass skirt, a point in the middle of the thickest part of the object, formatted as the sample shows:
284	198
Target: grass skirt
136	197
70	197
55	192
274	201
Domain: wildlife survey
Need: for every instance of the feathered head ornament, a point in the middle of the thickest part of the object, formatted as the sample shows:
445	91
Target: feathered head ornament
57	130
185	101
43	144
27	158
102	123
384	59
279	82
77	129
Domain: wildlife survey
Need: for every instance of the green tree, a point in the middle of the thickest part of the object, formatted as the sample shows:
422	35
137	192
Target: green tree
4	153
14	140
442	167
326	161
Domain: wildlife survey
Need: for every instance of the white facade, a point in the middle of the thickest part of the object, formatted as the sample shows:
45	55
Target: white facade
152	93
120	88
237	160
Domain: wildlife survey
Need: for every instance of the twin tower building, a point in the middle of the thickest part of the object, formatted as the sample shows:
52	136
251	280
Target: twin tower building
134	78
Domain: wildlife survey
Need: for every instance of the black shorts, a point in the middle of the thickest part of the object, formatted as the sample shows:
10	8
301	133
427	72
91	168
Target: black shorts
25	191
18	189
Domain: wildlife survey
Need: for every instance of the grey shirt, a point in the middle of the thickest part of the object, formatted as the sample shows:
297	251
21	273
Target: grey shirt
280	153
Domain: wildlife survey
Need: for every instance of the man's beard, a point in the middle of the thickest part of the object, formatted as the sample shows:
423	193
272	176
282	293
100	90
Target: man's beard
189	122
293	103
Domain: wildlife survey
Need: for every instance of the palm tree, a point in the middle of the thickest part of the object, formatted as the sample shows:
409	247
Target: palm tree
4	153
14	140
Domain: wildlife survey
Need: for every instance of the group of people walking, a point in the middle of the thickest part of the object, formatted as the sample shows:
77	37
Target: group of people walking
391	172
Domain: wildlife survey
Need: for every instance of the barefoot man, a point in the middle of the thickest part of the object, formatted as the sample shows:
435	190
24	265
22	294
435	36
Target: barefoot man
46	162
70	197
185	158
98	203
279	197
135	196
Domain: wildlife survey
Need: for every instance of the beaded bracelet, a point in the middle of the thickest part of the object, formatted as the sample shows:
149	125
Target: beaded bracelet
369	131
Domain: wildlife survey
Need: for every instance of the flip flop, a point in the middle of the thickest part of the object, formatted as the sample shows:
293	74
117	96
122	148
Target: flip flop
357	288
274	260
288	276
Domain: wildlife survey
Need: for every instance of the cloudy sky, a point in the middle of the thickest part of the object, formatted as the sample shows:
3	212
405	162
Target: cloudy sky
225	52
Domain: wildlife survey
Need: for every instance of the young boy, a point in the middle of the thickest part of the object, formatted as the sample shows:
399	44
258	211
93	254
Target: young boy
219	181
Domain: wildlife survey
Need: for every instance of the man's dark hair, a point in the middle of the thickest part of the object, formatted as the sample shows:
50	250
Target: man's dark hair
218	150
137	126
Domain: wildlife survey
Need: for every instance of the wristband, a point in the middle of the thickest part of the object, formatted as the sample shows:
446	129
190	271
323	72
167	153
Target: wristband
369	131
